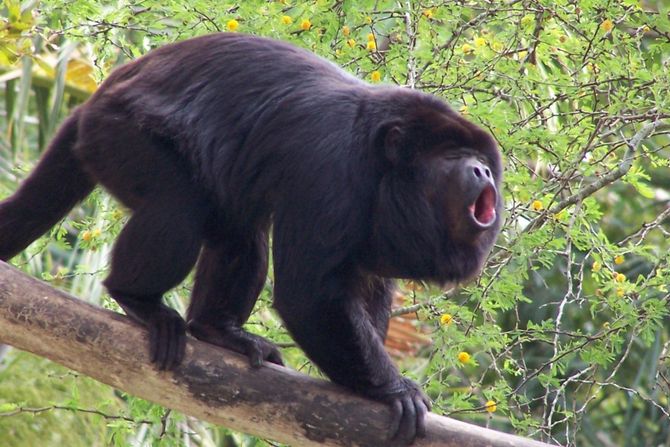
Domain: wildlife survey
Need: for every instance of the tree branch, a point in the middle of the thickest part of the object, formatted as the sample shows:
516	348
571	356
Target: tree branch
604	180
212	384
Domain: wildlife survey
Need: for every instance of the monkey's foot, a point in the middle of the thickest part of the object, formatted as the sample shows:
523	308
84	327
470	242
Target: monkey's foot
167	338
233	337
167	330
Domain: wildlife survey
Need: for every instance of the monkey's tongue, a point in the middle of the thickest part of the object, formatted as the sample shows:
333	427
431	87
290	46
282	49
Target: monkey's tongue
484	208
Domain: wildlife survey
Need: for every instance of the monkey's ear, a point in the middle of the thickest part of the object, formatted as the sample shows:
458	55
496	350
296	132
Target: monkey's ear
391	141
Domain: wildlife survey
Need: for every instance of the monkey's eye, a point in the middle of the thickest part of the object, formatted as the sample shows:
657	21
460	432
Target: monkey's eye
462	152
455	155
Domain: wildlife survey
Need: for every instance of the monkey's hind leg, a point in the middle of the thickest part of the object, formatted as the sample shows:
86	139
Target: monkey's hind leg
155	251
160	244
230	276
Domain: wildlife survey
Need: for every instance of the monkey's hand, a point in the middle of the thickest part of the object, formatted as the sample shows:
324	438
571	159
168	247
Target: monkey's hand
409	406
233	337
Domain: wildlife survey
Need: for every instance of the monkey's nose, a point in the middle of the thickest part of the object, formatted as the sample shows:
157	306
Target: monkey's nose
480	171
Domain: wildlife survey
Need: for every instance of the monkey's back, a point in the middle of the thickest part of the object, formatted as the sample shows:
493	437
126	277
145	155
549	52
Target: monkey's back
240	109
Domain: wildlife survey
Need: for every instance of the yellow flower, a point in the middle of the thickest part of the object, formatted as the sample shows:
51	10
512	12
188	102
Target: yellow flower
467	48
463	357
607	25
375	76
606	325
346	30
371	45
232	25
368	20
620	292
596	266
305	25
428	13
463	110
351	43
286	20
371	37
446	319
97	232
480	42
537	205
87	235
620	277
491	406
618	260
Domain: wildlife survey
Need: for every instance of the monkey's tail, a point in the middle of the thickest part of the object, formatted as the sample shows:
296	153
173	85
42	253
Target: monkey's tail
50	191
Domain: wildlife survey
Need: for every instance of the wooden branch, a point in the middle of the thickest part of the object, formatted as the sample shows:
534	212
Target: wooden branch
212	384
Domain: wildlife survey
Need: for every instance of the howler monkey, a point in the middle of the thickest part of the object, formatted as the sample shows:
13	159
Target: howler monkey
214	141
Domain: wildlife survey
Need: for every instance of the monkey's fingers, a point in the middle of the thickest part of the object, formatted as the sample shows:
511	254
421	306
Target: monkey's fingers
397	413
407	426
176	344
258	349
421	409
275	357
409	406
408	419
158	344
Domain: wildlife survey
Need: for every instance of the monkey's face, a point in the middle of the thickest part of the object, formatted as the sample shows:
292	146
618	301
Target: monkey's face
463	191
439	209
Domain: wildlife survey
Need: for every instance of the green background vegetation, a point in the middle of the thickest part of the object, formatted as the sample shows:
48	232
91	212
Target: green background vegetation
566	329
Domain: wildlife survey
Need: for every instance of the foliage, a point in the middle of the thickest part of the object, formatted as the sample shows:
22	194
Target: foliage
46	404
566	330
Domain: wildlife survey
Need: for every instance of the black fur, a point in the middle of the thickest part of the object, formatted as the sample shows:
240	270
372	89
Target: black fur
211	140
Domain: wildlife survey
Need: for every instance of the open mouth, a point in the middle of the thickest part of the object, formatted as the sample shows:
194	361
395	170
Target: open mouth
483	210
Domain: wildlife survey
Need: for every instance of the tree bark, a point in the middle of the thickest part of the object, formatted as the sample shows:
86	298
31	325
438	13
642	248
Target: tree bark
212	384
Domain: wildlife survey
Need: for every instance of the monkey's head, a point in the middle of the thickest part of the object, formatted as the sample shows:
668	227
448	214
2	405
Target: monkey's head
438	207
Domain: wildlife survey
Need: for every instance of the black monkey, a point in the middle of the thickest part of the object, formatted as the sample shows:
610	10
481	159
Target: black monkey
213	141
